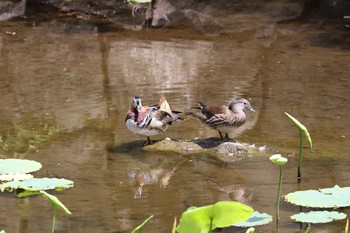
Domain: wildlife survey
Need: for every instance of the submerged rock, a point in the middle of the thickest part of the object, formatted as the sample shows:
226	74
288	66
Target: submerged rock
225	149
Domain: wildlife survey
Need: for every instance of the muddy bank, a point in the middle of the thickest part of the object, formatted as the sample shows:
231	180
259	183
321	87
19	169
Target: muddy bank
211	18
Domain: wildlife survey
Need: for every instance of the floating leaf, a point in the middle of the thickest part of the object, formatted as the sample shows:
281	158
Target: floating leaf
55	202
207	218
140	227
16	177
324	198
256	219
318	217
38	184
301	127
8	166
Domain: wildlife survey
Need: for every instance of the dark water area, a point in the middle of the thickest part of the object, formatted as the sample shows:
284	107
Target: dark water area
70	75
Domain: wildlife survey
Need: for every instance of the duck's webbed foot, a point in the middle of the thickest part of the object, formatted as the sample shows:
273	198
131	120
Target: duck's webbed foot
148	141
228	138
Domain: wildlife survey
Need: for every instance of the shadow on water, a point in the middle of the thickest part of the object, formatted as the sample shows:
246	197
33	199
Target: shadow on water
132	148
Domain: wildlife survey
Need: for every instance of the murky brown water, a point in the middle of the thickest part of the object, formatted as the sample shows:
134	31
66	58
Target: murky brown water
83	81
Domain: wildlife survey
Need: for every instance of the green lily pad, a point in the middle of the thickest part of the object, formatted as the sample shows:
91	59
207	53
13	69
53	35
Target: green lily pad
38	184
16	177
207	218
11	166
324	198
318	216
256	219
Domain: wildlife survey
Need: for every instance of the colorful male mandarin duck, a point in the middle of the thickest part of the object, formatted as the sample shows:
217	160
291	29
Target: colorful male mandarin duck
223	118
152	120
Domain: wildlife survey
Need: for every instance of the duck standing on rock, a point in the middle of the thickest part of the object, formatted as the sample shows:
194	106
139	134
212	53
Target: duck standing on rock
223	118
148	121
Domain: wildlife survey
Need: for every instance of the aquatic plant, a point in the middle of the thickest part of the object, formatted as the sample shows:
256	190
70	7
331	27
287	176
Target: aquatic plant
16	169
207	218
38	184
347	226
139	228
256	219
21	139
54	201
302	130
318	216
335	197
280	161
250	230
8	166
173	230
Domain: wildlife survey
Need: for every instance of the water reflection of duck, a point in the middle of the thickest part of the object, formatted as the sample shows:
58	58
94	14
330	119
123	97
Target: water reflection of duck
223	118
150	121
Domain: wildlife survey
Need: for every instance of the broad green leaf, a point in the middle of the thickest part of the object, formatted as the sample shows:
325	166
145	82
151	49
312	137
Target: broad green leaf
318	217
206	218
196	220
55	202
324	198
256	219
10	166
38	184
301	127
140	227
226	213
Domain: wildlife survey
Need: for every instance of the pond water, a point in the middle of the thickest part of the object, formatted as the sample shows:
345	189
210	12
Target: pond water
81	80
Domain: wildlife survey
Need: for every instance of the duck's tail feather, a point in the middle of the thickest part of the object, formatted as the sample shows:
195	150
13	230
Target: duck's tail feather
165	107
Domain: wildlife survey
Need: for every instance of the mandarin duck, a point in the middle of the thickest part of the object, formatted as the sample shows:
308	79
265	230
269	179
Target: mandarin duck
150	120
223	118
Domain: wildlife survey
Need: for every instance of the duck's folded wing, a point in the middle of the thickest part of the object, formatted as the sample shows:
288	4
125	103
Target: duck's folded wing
198	115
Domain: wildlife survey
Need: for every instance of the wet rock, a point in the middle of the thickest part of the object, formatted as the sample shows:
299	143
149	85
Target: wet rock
227	150
11	8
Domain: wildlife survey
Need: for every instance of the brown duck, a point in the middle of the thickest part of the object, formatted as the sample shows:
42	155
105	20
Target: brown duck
223	118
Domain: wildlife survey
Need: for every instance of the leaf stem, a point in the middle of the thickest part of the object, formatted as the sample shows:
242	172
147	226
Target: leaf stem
53	219
300	154
211	225
279	195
